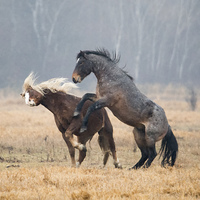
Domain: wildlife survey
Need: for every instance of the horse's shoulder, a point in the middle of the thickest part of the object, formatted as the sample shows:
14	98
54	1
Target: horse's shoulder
59	124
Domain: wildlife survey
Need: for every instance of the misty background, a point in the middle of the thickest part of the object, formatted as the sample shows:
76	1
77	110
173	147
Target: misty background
158	40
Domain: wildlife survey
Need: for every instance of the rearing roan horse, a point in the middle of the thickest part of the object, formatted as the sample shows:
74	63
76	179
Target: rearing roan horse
117	91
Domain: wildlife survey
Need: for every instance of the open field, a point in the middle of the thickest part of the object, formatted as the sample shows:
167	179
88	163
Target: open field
35	164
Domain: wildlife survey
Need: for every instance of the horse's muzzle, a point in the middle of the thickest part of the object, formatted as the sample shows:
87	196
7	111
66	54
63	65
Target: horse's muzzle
76	78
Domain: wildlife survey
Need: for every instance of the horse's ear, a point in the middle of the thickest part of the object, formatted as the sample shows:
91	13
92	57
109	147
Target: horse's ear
82	54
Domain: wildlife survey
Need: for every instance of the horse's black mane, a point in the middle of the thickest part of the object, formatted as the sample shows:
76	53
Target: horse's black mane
102	52
105	53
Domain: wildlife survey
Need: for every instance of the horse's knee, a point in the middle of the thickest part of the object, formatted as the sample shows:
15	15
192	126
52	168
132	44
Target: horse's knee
69	137
82	147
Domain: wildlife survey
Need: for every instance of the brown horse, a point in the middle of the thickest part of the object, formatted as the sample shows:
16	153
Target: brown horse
117	91
53	95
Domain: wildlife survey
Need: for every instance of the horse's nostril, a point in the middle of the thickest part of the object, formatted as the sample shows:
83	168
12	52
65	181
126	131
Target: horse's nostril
74	80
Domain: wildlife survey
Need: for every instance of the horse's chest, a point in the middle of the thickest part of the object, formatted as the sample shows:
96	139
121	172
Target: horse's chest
111	93
104	88
64	121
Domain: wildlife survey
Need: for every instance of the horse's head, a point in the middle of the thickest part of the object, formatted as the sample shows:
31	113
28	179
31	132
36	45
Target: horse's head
32	97
83	67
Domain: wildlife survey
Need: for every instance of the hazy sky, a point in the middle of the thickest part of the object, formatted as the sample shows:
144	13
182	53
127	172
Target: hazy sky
158	40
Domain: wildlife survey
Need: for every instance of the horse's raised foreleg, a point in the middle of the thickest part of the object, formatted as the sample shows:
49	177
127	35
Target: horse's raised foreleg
95	106
87	96
75	144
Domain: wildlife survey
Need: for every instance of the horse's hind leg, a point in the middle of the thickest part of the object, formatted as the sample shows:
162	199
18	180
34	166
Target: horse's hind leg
139	135
148	153
142	160
106	142
151	155
147	149
104	145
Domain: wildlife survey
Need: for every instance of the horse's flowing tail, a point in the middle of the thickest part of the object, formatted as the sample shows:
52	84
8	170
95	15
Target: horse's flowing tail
169	148
104	145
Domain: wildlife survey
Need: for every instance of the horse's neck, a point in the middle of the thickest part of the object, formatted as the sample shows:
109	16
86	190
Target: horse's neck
60	102
49	103
103	71
106	73
52	101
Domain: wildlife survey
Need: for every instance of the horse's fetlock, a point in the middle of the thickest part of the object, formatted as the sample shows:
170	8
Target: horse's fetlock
97	106
83	128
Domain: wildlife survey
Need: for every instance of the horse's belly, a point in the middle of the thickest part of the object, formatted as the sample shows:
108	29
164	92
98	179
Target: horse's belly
127	117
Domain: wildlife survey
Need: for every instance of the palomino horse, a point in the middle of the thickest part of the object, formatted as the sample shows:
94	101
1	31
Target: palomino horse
117	91
53	95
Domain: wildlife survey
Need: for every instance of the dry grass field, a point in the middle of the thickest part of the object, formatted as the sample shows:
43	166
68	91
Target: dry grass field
35	163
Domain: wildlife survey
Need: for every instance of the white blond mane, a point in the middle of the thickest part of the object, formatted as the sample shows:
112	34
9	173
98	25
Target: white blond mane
54	84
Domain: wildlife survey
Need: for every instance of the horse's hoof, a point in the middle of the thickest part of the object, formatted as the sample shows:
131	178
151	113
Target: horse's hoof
83	128
118	165
132	168
78	164
76	113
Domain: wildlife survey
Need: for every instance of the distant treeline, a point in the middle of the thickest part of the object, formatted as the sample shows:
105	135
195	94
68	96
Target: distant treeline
158	40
